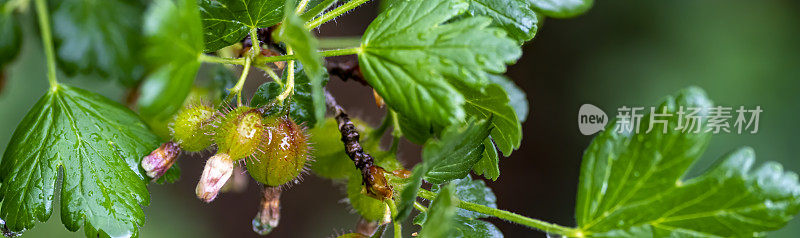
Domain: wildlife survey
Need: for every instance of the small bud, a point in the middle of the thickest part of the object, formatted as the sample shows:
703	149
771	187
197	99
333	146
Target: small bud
161	159
376	184
269	213
378	99
217	171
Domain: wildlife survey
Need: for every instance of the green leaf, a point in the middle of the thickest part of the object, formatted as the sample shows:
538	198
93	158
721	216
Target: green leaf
415	132
100	37
561	8
11	42
514	16
293	32
516	96
97	145
474	191
412	55
632	184
488	165
467	225
174	38
226	22
492	104
439	220
455	153
470	228
301	106
507	132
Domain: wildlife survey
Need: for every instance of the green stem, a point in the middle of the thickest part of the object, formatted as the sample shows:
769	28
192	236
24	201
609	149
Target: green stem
334	13
237	89
255	49
340	52
220	60
271	74
398	228
290	56
301	6
339	42
289	90
319	8
397	132
547	227
47	42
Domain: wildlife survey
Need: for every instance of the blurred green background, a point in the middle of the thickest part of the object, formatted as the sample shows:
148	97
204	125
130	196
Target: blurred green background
623	52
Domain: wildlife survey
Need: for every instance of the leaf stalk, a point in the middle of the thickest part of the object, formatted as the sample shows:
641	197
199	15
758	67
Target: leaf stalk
301	7
220	60
237	89
255	50
344	8
289	89
547	227
47	42
319	8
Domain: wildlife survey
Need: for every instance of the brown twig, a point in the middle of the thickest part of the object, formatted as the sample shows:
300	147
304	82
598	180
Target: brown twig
372	175
348	70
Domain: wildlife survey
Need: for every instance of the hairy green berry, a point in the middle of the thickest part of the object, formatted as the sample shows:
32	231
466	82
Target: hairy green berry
190	127
283	152
239	133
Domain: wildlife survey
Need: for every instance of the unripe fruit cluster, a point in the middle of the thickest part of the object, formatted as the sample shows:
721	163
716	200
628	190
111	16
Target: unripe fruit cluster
276	147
